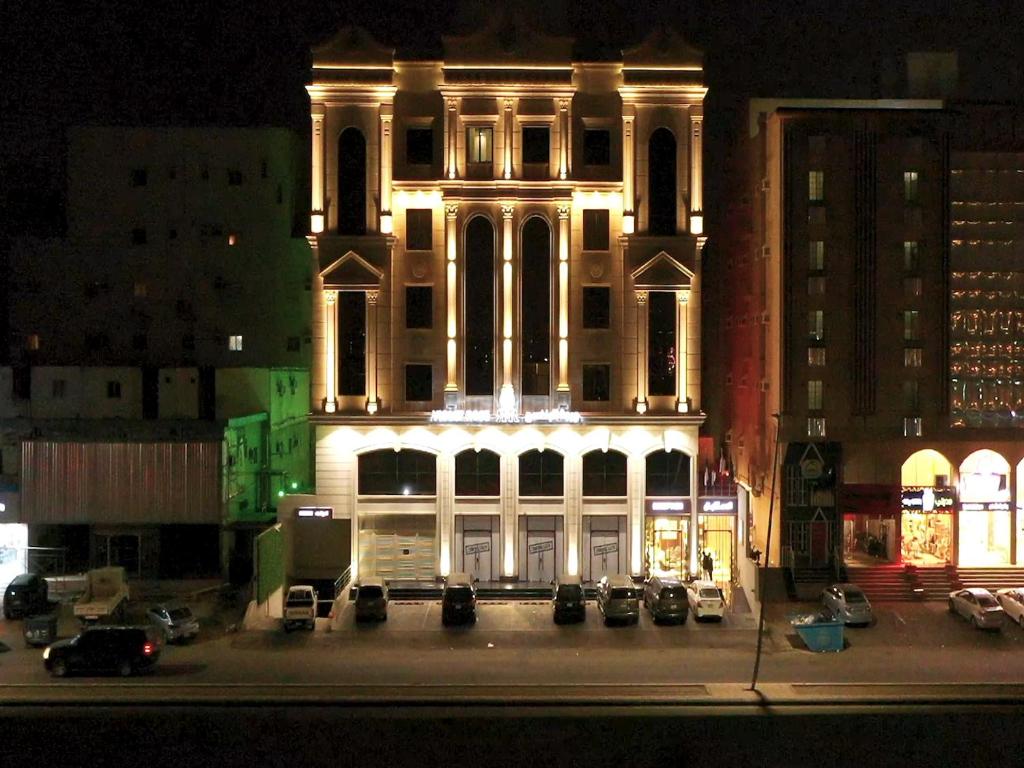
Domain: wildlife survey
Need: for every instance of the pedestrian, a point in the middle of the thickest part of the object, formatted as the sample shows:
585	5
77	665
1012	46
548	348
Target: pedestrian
708	564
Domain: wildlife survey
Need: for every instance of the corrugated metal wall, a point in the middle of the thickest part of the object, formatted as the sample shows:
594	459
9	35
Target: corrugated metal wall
120	483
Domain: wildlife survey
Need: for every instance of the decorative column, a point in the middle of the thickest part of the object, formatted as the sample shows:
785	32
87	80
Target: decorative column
696	174
453	137
331	328
444	508
573	521
386	115
682	361
316	218
563	132
636	482
509	131
562	394
509	524
628	170
451	387
641	351
372	403
507	398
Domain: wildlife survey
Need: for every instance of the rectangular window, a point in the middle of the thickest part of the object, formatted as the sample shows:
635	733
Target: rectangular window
419	306
816	260
816	186
139	236
815	286
139	290
597	382
816	426
816	356
58	388
234	177
661	344
912	426
912	287
816	324
293	344
911	402
418	383
595	230
910	255
536	144
139	177
596	306
814	395
32	342
418	229
352	343
235	343
597	147
419	146
910	186
479	144
912	357
114	390
911	325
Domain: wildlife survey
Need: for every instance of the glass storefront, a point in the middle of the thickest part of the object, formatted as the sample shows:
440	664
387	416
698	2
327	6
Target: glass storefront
869	539
667	546
984	534
717	537
927	537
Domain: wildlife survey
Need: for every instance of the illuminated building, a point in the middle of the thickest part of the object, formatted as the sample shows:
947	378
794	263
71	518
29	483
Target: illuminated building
506	374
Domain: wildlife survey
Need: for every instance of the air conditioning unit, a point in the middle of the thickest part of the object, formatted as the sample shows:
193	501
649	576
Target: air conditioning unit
766	251
764	385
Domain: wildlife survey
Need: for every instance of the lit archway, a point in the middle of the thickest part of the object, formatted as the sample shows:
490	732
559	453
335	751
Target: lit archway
985	517
926	514
924	467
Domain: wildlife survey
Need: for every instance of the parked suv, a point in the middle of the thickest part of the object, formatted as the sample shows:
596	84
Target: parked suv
618	600
568	601
124	650
25	596
372	599
458	601
666	599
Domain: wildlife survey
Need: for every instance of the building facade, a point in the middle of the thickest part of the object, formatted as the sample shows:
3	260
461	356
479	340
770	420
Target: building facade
506	319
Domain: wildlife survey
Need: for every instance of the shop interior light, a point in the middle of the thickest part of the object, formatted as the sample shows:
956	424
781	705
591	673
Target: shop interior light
280	494
295	485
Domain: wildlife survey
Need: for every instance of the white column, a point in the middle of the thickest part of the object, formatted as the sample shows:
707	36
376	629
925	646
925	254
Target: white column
453	137
509	521
372	403
386	115
451	387
445	507
507	398
696	174
682	352
563	393
635	493
573	522
628	170
331	327
509	132
641	351
316	219
563	143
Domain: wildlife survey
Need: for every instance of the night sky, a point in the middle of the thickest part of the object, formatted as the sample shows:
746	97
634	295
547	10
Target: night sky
244	62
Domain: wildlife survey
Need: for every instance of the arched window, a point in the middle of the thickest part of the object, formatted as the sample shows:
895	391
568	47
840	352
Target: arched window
536	306
668	474
661	182
351	182
479	303
540	474
604	473
477	473
397	473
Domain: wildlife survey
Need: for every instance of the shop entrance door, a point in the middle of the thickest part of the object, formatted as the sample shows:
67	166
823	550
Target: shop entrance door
604	553
540	556
476	553
397	546
716	538
819	543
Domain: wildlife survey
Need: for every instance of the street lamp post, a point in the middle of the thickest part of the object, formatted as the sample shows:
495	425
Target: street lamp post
767	552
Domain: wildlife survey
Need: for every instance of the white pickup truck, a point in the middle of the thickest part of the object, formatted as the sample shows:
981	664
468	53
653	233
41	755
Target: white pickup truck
105	596
300	607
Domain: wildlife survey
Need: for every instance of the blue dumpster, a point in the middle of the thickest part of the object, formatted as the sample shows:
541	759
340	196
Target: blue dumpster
819	631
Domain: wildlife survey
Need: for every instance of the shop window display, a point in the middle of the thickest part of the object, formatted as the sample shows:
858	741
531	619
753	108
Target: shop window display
667	546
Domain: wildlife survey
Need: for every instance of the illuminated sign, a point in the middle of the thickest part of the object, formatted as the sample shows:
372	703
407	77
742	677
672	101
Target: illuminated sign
989	506
927	499
314	512
476	549
550	416
724	505
676	505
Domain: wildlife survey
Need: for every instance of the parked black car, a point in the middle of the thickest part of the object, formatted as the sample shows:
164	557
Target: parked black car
25	596
121	650
568	601
458	601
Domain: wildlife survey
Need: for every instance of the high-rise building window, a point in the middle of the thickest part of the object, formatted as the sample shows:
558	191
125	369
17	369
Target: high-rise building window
816	426
419	146
911	400
604	473
597	147
479	144
816	324
596	306
911	325
419	382
815	391
912	357
816	256
661	343
661	182
536	144
816	186
32	342
419	306
912	426
352	343
597	382
419	224
816	286
912	287
479	307
816	356
910	186
910	255
595	230
234	177
235	343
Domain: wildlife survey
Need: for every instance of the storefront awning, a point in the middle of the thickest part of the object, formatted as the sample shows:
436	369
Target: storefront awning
870	499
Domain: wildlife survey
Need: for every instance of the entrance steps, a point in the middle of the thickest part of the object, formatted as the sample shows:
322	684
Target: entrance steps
991	578
903	583
409	589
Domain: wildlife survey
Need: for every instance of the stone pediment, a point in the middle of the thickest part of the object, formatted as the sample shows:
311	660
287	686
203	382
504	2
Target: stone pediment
663	48
353	47
351	272
661	273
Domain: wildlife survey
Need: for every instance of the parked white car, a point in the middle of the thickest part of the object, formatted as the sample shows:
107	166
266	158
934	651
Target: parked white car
300	607
1012	602
706	600
978	606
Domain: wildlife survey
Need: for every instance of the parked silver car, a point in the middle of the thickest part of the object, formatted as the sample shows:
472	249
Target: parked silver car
848	603
978	606
175	621
618	599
